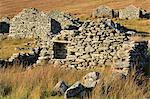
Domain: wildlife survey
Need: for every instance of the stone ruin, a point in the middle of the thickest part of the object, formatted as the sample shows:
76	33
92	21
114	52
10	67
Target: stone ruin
103	11
23	59
67	42
130	12
96	43
63	21
30	23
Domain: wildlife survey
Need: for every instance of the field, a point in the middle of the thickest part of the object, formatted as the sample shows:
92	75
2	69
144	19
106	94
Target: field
38	83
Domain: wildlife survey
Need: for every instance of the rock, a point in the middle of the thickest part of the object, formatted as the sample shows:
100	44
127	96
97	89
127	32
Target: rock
76	90
93	75
90	80
60	87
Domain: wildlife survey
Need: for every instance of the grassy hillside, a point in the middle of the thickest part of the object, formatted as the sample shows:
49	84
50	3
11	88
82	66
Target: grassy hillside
80	7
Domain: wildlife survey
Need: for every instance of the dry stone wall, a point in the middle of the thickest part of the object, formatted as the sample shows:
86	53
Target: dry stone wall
23	59
63	21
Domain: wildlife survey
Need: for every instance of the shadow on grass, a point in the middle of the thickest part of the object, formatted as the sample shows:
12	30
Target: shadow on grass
147	67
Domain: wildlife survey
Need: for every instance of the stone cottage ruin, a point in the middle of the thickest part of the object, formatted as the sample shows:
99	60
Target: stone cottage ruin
30	23
63	21
33	23
130	12
96	43
67	42
103	11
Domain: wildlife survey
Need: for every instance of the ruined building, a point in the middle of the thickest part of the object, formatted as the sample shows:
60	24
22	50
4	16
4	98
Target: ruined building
96	43
30	23
103	11
130	12
63	21
67	42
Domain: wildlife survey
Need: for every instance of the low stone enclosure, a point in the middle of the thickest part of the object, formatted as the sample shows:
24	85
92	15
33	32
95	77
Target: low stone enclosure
130	12
23	59
67	42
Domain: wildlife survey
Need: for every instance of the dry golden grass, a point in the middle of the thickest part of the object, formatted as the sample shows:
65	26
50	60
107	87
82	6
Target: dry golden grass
81	7
32	83
8	46
141	25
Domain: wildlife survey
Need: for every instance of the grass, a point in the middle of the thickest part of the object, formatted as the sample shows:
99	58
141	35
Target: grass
11	8
141	25
38	83
8	46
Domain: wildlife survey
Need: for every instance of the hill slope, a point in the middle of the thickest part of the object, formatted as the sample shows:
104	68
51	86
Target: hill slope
81	7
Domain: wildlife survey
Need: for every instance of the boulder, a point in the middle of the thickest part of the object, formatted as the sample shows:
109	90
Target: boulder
90	80
60	87
92	75
76	90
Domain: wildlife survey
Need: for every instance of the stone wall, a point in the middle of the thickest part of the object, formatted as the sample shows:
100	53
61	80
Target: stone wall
30	23
96	43
3	36
67	42
130	12
23	59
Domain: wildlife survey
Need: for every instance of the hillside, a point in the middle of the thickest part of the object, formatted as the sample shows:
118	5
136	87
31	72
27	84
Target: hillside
80	7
